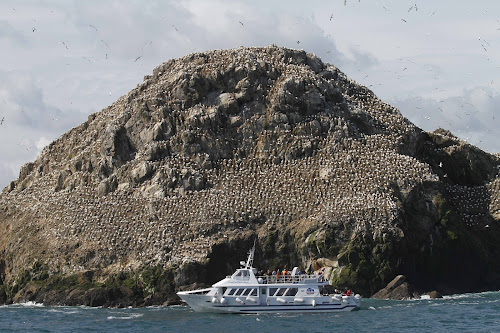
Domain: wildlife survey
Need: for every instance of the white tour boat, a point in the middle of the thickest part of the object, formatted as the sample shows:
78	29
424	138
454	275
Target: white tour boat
244	292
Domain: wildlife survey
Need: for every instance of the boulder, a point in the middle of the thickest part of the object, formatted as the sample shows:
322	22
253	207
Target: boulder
398	288
434	294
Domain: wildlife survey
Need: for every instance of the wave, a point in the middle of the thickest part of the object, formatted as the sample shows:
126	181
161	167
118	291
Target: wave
177	306
472	295
63	310
30	304
156	307
128	316
437	304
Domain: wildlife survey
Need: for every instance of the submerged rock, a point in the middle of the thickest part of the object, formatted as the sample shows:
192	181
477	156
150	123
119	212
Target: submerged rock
434	294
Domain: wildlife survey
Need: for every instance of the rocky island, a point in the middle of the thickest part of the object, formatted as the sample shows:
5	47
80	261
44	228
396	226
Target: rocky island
168	187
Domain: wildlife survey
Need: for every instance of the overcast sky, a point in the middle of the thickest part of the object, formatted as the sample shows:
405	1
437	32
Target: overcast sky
61	60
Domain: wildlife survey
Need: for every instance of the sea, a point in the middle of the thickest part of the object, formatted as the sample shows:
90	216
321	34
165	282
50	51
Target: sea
479	312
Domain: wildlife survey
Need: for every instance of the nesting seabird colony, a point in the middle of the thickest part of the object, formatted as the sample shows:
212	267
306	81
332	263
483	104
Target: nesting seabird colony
215	144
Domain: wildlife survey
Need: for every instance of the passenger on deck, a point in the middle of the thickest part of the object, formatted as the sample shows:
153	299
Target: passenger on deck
267	276
285	273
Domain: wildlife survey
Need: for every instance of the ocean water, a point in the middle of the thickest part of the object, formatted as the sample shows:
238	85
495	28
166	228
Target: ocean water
458	313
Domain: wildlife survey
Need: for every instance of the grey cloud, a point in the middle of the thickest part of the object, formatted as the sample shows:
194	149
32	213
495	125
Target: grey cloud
471	115
25	105
27	121
6	175
8	32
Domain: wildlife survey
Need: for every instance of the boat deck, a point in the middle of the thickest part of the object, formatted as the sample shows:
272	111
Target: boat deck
301	278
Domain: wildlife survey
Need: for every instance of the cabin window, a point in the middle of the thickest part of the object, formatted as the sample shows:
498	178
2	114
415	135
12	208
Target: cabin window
231	292
242	275
280	292
238	292
254	292
291	292
246	292
262	291
272	291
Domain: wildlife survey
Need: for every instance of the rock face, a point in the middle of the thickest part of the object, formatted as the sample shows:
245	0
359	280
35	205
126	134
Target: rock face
169	186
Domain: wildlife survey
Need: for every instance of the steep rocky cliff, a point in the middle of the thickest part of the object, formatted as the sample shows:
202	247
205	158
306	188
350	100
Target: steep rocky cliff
168	187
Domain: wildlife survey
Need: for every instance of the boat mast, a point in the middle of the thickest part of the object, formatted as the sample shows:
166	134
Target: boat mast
250	257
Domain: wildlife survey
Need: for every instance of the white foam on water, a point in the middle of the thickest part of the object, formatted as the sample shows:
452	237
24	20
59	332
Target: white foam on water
157	307
55	310
86	307
470	295
437	304
469	303
405	304
130	316
31	304
458	296
493	301
284	314
175	307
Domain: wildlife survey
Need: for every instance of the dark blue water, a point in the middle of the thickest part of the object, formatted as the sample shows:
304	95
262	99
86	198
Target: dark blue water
459	313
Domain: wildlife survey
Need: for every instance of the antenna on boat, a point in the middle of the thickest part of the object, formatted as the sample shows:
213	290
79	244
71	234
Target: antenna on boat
251	254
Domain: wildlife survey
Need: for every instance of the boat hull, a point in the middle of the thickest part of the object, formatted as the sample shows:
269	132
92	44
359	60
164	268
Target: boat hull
275	309
207	304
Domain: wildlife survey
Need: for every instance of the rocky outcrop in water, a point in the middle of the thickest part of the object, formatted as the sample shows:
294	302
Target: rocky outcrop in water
169	186
399	288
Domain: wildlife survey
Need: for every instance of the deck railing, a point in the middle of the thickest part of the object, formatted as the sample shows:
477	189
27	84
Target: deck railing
268	279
